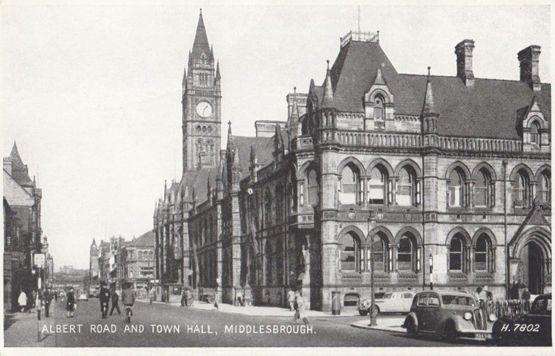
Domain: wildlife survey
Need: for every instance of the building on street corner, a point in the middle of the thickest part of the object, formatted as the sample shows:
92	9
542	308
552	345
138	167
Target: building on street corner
438	179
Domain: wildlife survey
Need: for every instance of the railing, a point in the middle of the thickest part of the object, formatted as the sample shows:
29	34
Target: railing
370	139
360	36
479	144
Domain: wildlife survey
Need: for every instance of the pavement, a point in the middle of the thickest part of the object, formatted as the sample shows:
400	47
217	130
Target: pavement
254	310
21	329
384	323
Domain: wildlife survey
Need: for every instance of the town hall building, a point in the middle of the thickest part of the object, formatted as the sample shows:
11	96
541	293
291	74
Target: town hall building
440	180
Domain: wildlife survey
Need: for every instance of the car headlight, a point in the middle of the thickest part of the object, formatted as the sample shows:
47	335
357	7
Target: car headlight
467	316
492	318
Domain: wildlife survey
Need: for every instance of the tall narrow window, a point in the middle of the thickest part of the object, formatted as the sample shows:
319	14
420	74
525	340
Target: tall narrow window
378	186
456	251
350	253
406	188
521	189
456	188
544	187
482	189
481	253
279	203
312	188
378	108
268	208
535	133
406	254
349	185
380	250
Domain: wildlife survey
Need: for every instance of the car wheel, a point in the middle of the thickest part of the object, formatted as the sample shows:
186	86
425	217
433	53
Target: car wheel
450	332
363	312
411	328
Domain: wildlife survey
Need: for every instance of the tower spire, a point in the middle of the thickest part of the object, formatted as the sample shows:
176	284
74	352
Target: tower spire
327	100
429	106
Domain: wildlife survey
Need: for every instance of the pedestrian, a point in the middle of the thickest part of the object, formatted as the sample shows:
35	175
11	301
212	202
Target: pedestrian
521	287
189	297
240	299
526	297
291	299
46	300
56	296
22	301
104	298
300	312
184	297
70	304
513	291
115	305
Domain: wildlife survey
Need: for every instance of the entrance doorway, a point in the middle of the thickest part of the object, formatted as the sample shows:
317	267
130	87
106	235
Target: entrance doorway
531	267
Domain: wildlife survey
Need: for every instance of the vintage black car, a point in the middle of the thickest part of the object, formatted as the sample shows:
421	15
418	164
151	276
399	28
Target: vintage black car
451	315
532	329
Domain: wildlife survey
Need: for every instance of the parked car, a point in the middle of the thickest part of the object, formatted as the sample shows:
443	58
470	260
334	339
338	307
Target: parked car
394	302
83	296
532	329
451	315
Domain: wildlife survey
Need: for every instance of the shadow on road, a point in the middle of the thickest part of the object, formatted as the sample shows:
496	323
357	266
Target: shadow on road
9	320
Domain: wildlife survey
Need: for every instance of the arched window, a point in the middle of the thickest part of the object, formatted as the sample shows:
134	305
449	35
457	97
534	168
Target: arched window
349	187
350	253
483	189
268	208
313	188
544	187
521	189
407	187
378	189
456	254
456	187
380	250
379	111
535	136
407	254
483	254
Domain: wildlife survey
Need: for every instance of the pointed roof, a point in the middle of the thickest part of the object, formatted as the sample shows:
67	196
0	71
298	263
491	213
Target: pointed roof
201	39
14	155
218	76
327	100
428	108
19	169
379	78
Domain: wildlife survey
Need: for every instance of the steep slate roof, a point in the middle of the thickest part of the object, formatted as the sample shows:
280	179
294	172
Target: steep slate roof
146	239
14	193
263	146
489	109
201	40
196	180
19	169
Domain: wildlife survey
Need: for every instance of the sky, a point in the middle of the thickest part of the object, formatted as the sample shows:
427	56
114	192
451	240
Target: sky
92	94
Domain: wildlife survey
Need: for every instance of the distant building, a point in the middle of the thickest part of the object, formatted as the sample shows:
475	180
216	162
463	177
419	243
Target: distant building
94	270
137	260
22	228
109	264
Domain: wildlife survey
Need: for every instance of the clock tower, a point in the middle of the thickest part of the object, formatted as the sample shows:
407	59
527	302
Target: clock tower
201	101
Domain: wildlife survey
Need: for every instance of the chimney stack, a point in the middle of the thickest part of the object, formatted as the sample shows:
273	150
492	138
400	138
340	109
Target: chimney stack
529	59
463	50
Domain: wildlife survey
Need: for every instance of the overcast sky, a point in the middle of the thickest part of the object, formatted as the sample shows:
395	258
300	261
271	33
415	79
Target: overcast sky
91	94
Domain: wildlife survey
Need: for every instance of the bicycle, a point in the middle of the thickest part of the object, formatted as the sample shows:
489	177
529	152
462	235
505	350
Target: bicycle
128	313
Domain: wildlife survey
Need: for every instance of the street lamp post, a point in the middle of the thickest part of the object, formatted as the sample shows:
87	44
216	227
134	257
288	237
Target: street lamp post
431	264
373	321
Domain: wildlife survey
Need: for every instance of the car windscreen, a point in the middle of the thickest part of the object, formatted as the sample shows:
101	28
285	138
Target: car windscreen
541	306
457	300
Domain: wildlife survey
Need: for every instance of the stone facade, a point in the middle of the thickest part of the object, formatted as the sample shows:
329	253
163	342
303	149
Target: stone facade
443	180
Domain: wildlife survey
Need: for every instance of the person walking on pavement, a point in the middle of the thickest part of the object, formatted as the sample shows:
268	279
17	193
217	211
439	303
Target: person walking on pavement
47	298
128	299
22	301
70	304
291	299
115	305
300	312
104	297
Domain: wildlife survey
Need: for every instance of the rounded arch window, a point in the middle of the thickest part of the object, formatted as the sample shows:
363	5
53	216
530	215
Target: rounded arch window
350	253
379	107
456	253
535	136
483	190
407	192
483	254
378	189
349	185
313	188
521	189
380	250
407	254
456	188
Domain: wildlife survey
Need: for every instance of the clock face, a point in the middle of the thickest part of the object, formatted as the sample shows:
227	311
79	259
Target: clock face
204	109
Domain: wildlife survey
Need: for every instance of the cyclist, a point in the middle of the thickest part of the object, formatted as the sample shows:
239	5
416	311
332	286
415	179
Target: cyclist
128	299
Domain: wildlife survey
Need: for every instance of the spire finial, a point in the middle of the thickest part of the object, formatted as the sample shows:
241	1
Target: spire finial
328	63
295	90
200	12
429	70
